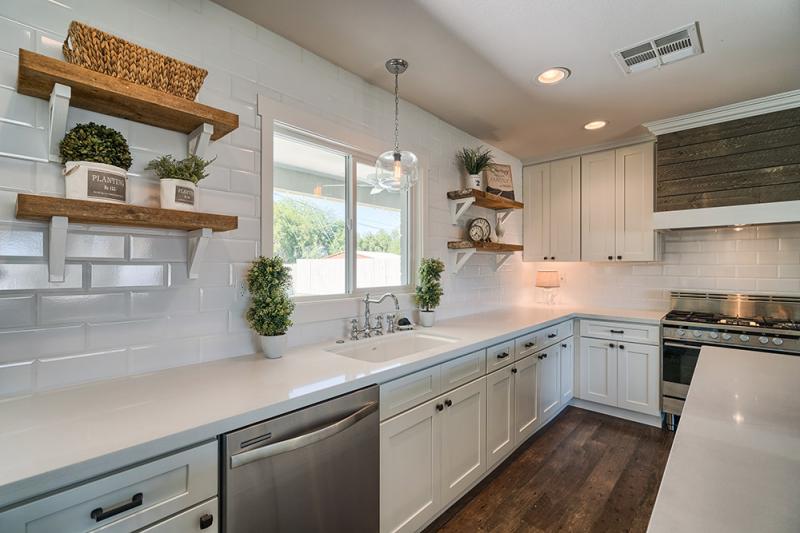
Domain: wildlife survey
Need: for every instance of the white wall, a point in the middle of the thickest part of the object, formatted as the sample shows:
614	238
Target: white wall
127	306
763	259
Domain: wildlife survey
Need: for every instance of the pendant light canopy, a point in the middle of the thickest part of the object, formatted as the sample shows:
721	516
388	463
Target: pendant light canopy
396	170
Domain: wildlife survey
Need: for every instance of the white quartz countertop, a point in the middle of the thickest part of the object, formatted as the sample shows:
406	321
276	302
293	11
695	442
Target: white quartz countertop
735	460
51	439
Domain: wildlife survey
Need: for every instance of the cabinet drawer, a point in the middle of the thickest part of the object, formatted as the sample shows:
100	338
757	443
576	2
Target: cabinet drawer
554	334
409	391
125	501
499	355
463	370
526	344
620	331
191	520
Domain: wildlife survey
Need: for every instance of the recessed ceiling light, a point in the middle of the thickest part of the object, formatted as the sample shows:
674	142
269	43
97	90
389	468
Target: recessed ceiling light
553	75
595	125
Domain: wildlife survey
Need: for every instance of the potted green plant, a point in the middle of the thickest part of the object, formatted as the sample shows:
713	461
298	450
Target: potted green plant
475	161
429	291
179	179
270	311
96	159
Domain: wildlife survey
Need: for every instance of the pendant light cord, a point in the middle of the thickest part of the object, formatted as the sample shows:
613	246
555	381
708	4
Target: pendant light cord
396	115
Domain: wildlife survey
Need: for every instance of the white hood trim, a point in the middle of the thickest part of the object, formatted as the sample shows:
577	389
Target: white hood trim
735	215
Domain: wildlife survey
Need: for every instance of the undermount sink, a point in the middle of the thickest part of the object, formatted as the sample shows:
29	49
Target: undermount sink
390	346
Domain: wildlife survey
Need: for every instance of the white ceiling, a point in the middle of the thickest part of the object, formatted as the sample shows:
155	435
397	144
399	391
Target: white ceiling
472	61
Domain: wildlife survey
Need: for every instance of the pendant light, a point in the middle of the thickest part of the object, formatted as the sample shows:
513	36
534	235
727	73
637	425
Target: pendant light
396	170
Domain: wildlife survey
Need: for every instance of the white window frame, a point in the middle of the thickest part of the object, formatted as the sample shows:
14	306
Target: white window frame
277	117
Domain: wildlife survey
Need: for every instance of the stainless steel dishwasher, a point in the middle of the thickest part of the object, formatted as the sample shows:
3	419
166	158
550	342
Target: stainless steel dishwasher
312	470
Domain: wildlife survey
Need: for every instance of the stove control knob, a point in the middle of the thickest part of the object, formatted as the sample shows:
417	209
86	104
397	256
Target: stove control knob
714	335
697	334
744	338
777	342
726	336
681	332
763	340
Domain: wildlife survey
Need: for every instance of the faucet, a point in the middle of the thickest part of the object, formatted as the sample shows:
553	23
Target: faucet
368	329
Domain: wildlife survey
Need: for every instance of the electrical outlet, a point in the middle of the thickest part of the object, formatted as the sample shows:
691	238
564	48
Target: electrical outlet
242	289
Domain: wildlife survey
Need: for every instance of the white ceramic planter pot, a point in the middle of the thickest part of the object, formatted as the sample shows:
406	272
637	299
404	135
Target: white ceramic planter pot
475	181
427	318
273	346
179	194
98	182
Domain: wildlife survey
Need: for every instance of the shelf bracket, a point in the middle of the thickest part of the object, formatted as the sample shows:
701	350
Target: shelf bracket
57	248
200	138
462	256
59	107
458	207
198	242
501	260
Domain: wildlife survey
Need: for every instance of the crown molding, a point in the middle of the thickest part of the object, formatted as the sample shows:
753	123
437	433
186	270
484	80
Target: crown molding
748	108
584	150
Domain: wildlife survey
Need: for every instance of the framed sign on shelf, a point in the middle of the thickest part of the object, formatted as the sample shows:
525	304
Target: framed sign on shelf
499	181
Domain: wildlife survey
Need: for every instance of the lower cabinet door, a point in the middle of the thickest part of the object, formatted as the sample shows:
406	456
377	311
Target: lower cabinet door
526	409
499	415
549	382
599	371
638	377
410	445
463	451
567	361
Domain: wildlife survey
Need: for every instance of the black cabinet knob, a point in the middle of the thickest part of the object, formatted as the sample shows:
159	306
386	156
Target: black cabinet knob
439	407
545	258
619	257
552	258
563	345
610	344
544	355
513	370
448	403
610	258
621	346
206	520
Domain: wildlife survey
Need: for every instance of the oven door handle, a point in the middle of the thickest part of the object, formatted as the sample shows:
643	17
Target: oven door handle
301	441
679	345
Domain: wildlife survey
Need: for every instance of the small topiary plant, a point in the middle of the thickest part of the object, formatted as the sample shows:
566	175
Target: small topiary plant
270	308
97	144
429	291
475	160
193	168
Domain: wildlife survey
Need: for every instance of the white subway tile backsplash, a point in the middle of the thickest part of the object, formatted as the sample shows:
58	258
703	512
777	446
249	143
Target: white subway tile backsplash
8	70
18	174
778	258
199	325
107	276
789	271
82	307
168	354
158	248
126	333
755	271
35	276
212	298
14	36
16	378
230	251
17	311
27	344
21	242
95	246
227	203
779	285
164	302
60	372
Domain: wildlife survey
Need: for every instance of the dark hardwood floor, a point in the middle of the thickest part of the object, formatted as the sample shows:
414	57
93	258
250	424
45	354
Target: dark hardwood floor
583	472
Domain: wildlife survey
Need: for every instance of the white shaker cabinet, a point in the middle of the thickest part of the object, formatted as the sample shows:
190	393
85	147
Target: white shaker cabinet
549	382
552	196
499	415
638	377
617	205
526	397
566	359
598	371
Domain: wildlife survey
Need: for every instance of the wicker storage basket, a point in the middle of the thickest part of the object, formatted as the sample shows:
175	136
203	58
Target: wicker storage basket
105	53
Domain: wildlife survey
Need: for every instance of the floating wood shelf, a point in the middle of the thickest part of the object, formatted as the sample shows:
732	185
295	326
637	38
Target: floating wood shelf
67	84
466	249
461	200
60	211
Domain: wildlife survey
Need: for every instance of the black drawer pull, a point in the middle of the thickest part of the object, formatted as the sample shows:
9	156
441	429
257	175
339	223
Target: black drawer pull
563	345
502	355
620	331
552	335
448	403
100	515
530	344
206	521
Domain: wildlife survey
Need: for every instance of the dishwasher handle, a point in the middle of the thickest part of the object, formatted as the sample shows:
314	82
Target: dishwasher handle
269	450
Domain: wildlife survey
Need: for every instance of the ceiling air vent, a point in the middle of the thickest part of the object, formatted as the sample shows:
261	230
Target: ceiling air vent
674	46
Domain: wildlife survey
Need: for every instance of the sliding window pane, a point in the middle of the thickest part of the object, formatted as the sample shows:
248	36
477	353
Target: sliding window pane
381	232
309	197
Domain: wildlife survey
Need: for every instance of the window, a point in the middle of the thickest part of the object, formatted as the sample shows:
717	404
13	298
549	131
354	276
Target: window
335	229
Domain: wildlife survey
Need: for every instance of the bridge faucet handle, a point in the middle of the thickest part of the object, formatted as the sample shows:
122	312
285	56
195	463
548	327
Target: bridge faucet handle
390	322
379	323
354	329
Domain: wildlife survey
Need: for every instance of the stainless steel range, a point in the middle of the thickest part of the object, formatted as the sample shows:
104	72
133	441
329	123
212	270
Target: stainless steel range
752	322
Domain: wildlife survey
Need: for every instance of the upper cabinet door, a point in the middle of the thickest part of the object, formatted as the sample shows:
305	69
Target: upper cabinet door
635	238
536	215
598	207
565	210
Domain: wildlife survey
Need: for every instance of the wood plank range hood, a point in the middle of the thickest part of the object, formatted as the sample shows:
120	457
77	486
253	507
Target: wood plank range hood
732	165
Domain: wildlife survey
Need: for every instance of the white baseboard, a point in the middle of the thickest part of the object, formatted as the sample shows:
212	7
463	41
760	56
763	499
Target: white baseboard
650	420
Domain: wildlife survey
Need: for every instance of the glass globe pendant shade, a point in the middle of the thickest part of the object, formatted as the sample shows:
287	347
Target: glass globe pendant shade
396	171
